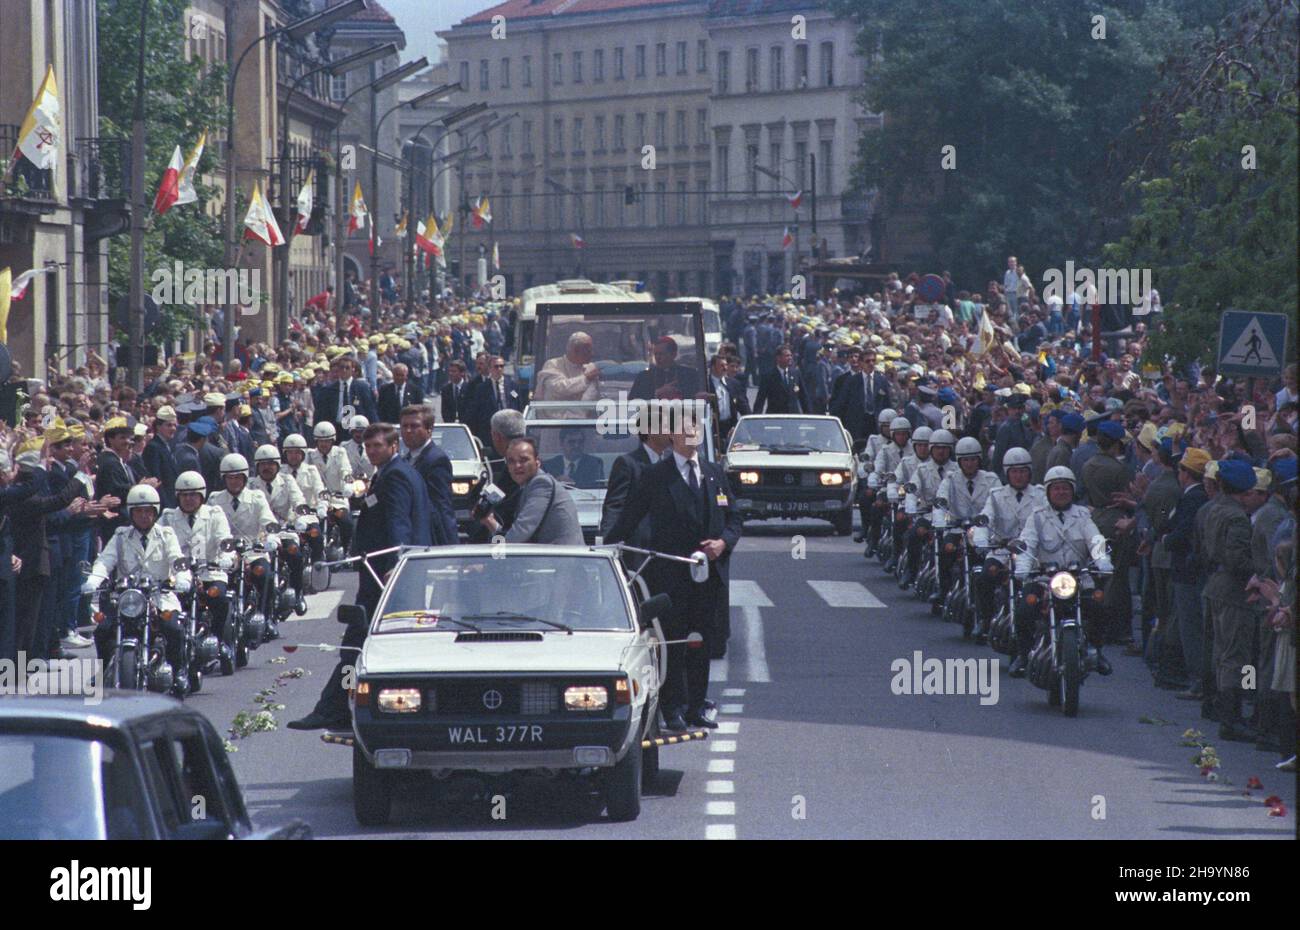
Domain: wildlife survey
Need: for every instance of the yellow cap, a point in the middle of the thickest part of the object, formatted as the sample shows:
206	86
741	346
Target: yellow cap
56	432
245	410
116	423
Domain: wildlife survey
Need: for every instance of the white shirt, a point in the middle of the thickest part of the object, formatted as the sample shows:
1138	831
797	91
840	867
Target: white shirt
724	398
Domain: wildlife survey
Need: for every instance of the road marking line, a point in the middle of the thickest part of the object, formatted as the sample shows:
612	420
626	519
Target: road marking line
719	786
719	669
731	709
755	650
733	692
845	594
722	766
721	809
722	745
748	594
320	606
720	831
729	727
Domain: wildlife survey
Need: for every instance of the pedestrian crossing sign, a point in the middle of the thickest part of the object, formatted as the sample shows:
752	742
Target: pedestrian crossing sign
1252	344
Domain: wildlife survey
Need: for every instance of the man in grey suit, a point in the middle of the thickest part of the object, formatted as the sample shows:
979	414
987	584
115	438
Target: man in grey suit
546	512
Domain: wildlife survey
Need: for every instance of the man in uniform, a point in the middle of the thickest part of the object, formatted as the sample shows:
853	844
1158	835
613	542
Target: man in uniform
869	490
1267	515
1070	431
966	490
247	511
200	529
1008	508
159	461
356	451
927	477
1186	578
285	497
1045	443
886	464
1106	483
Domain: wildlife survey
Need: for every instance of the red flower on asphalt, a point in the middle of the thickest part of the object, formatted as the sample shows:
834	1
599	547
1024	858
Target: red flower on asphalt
1272	801
288	648
1278	811
1206	770
1253	782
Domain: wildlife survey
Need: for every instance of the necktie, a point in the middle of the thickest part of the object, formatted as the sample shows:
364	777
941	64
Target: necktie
345	388
970	487
693	482
1060	515
191	518
401	396
568	468
144	540
501	395
234	503
1019	496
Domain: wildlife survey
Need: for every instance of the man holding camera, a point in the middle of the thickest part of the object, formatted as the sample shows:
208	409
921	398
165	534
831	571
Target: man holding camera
546	512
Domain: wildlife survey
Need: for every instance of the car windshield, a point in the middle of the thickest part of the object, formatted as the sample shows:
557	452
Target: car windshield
623	349
778	435
65	788
455	441
579	592
581	456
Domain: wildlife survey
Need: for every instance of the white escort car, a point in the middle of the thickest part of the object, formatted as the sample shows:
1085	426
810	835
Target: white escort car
508	658
469	468
793	466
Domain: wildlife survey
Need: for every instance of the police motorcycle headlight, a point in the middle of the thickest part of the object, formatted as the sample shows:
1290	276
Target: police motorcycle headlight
183	583
873	480
978	536
300	525
911	505
208	648
891	491
322	510
255	626
160	676
939	518
1063	585
270	544
226	561
132	603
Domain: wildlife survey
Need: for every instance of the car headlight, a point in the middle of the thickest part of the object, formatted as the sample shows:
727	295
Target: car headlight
834	478
748	477
460	487
586	697
1063	585
132	603
399	700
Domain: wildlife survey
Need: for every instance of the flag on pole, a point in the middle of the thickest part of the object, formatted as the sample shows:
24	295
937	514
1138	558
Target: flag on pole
259	222
578	241
5	281
448	223
400	229
357	213
41	131
18	288
984	337
496	256
306	201
169	186
376	240
482	213
185	192
428	237
787	238
795	199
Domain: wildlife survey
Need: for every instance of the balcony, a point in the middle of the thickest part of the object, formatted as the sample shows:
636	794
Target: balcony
100	169
28	190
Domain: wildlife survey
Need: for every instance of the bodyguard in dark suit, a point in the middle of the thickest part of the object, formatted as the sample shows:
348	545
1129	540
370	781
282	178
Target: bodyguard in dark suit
160	462
574	465
394	513
434	467
730	402
859	398
113	473
347	389
487	395
779	390
689	507
398	394
453	393
624	476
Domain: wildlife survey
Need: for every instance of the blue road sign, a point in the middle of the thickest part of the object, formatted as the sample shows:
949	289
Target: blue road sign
1252	344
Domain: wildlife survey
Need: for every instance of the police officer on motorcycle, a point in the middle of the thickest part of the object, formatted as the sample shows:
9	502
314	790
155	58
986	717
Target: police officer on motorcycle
966	490
336	471
200	528
285	497
249	515
1060	533
869	490
927	476
1008	508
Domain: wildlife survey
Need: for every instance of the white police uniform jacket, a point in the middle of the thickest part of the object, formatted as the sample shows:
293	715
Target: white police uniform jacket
336	470
1056	536
356	452
1007	515
202	541
252	515
283	494
929	475
955	489
906	468
309	481
127	554
875	442
888	458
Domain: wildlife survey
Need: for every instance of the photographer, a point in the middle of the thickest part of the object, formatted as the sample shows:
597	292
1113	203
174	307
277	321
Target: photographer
546	512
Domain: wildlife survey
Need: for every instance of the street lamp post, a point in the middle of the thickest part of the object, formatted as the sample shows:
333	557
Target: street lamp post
296	30
582	216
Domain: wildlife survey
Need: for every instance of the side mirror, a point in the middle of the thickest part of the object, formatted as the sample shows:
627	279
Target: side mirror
1017	545
655	608
982	520
180	565
910	488
699	567
352	614
941	502
273	527
228	544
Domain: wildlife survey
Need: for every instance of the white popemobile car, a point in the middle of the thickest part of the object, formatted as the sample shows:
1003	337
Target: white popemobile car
469	468
793	466
508	659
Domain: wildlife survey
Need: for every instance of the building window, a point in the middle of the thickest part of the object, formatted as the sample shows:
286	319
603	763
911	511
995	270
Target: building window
751	171
751	70
824	172
681	57
661	205
339	87
557	68
619	142
527	66
526	137
724	71
600	206
680	137
483	74
828	64
599	144
801	66
661	129
701	126
577	134
464	75
775	71
702	55
702	207
801	164
526	209
557	145
639	64
618	64
507	147
577	67
557	202
661	58
774	163
505	73
723	174
640	130
681	203
598	65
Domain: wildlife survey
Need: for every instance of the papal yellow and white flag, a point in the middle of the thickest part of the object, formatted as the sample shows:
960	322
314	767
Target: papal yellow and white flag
185	192
259	222
41	133
357	213
985	336
6	278
306	200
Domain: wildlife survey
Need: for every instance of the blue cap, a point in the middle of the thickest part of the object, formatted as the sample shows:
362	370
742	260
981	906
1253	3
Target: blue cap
1111	430
948	395
203	426
1284	470
1058	413
1236	476
255	392
1072	423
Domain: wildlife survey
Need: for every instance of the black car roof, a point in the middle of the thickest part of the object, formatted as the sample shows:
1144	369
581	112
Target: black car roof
118	708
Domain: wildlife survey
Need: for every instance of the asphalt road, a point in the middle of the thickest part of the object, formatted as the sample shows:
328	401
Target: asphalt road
814	742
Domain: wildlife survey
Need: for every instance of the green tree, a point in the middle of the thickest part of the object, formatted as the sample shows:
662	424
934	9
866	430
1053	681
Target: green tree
182	99
1028	95
1212	164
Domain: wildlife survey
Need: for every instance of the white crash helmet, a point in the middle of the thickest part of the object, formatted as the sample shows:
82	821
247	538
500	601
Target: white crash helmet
191	481
900	423
142	495
922	434
941	437
968	445
294	441
234	464
886	416
324	430
1017	456
1059	473
267	453
358	422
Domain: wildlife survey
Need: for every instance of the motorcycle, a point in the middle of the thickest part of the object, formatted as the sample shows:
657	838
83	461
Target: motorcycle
330	510
1060	661
958	604
138	660
888	503
927	573
202	647
245	621
1000	630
